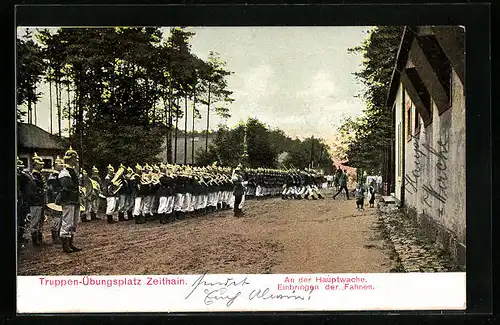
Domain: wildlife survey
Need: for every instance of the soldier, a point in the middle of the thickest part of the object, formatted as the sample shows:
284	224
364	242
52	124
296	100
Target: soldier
86	183
70	201
132	192
95	198
122	194
36	200
110	196
137	193
238	191
145	194
23	181
165	196
53	190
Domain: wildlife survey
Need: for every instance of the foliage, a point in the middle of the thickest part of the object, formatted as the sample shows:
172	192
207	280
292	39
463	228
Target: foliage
266	148
30	70
365	138
129	85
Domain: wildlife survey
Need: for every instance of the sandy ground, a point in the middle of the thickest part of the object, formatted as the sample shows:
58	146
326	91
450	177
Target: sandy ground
274	236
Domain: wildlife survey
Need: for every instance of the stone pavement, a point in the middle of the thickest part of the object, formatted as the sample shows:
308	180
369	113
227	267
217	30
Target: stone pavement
412	251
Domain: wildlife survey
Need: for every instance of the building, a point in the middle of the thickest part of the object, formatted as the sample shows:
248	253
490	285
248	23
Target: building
428	102
32	139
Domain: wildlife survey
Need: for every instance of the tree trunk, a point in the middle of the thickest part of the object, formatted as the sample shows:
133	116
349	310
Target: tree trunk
34	106
185	127
208	118
50	105
175	135
29	111
58	104
192	135
69	109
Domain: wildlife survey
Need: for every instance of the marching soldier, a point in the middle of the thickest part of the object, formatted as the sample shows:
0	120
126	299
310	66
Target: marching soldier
53	190
36	201
70	201
146	192
137	192
23	181
122	193
155	187
96	193
132	192
110	196
166	200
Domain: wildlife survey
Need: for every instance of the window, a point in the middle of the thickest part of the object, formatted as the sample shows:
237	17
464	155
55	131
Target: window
47	163
417	121
409	125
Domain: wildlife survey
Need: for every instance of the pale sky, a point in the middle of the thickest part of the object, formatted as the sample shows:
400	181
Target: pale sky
298	79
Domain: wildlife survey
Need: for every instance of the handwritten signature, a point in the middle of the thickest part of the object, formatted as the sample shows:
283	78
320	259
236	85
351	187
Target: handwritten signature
228	291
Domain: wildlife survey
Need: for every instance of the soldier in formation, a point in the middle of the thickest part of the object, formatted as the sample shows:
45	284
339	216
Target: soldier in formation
23	209
53	190
36	200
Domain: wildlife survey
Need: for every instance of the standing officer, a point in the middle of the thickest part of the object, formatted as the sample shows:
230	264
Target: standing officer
70	201
238	190
36	201
343	184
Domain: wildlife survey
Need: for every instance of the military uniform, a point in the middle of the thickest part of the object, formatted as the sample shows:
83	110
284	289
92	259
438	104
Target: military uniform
53	189
23	181
70	201
95	198
36	201
111	200
238	191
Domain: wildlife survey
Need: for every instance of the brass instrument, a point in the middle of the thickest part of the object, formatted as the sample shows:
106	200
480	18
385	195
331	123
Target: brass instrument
117	181
146	179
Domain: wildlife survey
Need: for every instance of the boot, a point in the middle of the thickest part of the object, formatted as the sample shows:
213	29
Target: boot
34	239
110	219
120	216
73	247
130	216
163	219
93	216
83	217
55	238
40	238
65	245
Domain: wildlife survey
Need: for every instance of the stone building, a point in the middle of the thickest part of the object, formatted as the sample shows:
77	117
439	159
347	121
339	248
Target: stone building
427	97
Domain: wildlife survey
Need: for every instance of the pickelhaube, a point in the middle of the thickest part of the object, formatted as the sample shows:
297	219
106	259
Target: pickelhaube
147	168
138	168
111	168
84	172
95	170
59	161
156	169
130	171
20	163
70	154
36	159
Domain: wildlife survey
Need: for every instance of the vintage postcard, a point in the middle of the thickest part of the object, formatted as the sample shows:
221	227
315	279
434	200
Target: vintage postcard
214	169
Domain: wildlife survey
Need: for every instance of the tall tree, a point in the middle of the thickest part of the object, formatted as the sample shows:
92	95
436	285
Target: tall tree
30	71
369	135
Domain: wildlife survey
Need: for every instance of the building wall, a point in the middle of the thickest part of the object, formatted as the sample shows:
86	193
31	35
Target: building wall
435	183
399	129
48	155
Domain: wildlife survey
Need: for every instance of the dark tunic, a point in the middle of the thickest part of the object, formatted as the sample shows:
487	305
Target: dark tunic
69	194
53	187
36	189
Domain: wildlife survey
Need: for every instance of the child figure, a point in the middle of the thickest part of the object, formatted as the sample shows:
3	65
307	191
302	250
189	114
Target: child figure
372	194
360	197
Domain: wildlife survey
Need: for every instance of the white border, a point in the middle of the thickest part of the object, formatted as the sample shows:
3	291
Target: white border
240	292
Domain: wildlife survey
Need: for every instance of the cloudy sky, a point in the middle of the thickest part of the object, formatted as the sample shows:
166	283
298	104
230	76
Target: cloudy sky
298	79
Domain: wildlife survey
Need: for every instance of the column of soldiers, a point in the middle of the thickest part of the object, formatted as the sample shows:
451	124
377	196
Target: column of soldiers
290	184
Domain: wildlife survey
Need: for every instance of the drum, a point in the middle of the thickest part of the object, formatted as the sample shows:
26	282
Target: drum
53	208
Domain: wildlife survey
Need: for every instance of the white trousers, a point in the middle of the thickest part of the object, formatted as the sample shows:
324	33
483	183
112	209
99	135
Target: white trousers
166	204
70	219
110	205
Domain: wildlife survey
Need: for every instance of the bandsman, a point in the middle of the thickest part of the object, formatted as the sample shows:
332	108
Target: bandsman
23	208
96	194
132	192
111	200
70	201
122	193
53	190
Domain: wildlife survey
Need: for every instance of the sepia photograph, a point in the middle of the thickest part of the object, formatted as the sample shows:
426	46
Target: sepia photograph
180	150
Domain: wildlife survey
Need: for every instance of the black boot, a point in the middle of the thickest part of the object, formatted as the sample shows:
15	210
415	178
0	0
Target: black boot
65	245
120	216
93	216
40	237
163	218
55	237
73	247
110	219
130	216
83	217
34	239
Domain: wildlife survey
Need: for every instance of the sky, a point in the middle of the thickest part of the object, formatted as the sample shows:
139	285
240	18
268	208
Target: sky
298	79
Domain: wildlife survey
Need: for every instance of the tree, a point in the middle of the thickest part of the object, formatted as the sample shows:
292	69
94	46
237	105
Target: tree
30	70
367	137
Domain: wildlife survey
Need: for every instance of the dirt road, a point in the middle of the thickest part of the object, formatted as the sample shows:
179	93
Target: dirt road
275	236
